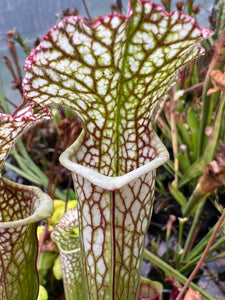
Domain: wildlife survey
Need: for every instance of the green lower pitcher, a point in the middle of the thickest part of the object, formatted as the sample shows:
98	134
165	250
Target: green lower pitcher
21	207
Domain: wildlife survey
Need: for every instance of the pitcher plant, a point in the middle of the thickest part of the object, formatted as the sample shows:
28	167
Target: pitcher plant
21	207
113	74
66	236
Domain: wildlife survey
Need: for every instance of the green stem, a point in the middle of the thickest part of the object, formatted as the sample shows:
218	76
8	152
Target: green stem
217	62
30	162
196	198
193	227
30	170
197	167
168	5
215	257
27	175
200	262
4	104
172	272
214	248
189	7
181	226
174	139
22	42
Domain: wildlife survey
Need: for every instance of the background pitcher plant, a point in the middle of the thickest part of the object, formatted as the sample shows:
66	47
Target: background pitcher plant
21	208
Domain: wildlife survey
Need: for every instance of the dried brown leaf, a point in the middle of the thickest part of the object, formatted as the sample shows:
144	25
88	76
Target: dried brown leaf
192	295
218	81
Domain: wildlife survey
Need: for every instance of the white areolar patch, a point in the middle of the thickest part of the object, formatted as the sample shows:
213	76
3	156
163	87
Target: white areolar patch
86	214
171	54
51	89
33	94
157	61
68	83
87	233
98	49
183	33
115	22
134	64
175	17
40	58
105	204
80	76
70	28
188	26
96	215
90	260
136	206
75	66
177	27
102	86
99	278
26	248
147	68
52	75
158	53
119	216
19	255
81	39
136	188
164	23
104	34
54	35
140	55
88	190
144	224
52	55
98	241
85	70
154	29
105	59
195	33
89	59
143	192
88	81
46	44
84	49
147	8
140	37
106	19
129	224
101	266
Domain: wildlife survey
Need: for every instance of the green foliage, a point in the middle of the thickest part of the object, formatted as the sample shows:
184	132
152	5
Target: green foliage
197	132
57	270
182	122
45	263
43	294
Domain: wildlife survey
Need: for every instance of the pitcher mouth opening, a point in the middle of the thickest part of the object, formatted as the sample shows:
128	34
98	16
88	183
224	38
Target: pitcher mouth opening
42	205
111	183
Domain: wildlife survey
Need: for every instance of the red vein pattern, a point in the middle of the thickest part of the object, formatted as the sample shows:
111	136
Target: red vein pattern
66	237
20	210
113	74
21	207
113	227
11	127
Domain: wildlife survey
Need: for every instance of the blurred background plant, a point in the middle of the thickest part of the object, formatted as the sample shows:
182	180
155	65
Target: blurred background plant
190	192
189	188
